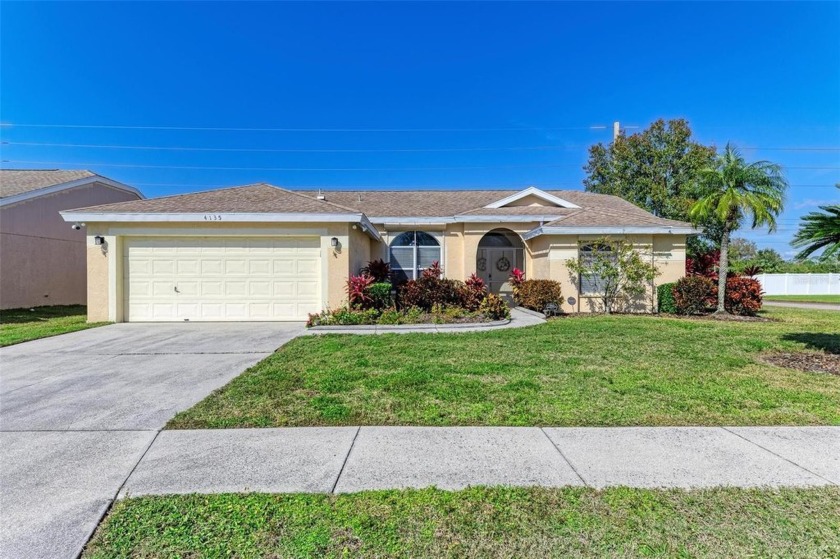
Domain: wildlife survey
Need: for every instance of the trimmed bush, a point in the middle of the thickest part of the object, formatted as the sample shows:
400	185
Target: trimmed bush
743	296
694	295
493	307
430	289
380	295
535	294
473	293
665	298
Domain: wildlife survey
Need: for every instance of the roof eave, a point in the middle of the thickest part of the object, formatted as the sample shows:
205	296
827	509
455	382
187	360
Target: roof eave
614	230
72	216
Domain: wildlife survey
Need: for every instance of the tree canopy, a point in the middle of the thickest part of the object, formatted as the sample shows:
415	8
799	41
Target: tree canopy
655	169
819	231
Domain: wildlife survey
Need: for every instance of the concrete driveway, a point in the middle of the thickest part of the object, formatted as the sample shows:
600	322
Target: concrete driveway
78	411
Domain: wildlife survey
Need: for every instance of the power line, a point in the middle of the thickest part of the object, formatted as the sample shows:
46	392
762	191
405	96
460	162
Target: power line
360	150
297	150
343	169
243	129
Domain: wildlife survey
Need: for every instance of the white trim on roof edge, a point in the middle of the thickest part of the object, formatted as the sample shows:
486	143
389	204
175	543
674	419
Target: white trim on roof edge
393	220
221	217
38	192
635	230
532	191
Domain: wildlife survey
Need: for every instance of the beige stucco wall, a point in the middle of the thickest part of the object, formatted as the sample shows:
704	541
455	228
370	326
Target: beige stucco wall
545	256
42	259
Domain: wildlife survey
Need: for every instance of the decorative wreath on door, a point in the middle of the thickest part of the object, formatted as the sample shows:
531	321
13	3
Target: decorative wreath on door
503	264
481	264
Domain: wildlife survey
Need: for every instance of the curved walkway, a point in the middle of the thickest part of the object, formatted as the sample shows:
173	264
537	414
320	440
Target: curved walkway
518	319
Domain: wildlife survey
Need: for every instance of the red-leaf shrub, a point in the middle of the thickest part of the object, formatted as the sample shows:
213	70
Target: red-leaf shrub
429	290
751	271
743	296
357	294
516	278
694	294
379	270
705	265
473	293
433	271
535	294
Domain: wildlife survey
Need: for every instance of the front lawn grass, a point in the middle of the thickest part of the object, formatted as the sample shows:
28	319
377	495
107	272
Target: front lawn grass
23	325
805	298
478	522
599	370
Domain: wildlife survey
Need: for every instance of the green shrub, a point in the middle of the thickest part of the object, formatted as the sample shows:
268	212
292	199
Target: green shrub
665	298
343	317
391	316
694	294
380	295
535	294
494	308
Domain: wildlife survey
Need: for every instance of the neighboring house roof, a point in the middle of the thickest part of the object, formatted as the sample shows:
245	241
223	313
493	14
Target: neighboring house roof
17	185
264	202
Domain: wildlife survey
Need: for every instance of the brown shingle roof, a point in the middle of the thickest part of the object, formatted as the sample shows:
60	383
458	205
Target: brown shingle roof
253	198
595	209
15	181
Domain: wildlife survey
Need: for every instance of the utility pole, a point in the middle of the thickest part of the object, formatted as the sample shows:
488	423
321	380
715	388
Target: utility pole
616	130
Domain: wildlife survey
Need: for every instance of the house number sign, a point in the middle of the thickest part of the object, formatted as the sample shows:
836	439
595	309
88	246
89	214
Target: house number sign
212	217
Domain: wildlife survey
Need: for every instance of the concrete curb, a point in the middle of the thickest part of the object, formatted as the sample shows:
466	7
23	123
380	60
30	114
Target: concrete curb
529	311
403	328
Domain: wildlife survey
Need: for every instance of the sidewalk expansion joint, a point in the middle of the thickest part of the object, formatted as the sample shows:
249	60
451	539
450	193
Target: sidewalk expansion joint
346	458
563	456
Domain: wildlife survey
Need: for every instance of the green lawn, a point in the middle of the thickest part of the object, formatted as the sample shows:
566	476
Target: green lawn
599	370
478	522
22	325
805	298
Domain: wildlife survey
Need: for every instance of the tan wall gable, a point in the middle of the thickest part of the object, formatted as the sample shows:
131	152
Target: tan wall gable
530	200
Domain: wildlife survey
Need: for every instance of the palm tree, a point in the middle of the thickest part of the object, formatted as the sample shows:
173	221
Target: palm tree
732	190
819	230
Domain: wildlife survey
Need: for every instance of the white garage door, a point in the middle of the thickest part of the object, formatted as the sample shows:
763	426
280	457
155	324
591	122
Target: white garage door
222	278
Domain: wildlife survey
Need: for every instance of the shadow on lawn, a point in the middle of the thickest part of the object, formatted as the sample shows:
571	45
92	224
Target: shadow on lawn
39	314
830	343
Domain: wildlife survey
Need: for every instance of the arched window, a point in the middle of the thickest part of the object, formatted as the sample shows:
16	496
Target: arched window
411	253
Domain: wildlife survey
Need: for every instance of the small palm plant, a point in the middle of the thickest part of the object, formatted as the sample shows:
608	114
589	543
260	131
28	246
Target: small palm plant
819	230
733	190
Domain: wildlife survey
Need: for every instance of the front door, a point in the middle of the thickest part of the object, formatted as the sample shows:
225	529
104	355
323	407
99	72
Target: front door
494	266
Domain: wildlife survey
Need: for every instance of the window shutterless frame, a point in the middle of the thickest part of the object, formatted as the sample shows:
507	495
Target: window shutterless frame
411	252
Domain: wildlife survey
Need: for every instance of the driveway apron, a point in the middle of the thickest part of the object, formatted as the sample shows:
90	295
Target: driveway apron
78	411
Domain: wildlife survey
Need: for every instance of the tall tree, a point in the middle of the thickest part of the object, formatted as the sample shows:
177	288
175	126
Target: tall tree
819	230
655	169
733	190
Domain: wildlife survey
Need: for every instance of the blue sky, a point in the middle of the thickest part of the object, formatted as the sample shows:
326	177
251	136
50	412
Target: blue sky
431	95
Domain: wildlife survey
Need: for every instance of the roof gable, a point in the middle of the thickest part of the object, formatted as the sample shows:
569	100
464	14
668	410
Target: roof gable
533	193
19	185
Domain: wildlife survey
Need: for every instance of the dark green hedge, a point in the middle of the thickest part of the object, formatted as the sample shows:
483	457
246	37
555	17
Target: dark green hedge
665	298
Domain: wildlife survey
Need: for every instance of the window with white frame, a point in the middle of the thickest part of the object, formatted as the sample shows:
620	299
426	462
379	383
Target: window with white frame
592	257
411	253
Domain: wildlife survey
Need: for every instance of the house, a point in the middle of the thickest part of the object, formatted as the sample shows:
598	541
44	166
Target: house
260	252
42	258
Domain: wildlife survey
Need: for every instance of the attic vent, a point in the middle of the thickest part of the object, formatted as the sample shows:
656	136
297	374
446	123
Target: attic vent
321	195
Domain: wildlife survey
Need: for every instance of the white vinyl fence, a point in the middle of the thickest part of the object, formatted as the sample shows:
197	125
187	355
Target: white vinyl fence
800	284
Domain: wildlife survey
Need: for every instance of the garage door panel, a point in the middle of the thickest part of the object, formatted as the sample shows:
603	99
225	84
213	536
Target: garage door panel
270	278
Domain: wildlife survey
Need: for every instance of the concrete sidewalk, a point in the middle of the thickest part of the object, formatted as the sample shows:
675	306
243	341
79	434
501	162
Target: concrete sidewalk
346	459
803	305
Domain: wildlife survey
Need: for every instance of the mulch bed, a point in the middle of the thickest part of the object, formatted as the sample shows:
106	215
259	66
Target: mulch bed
808	361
